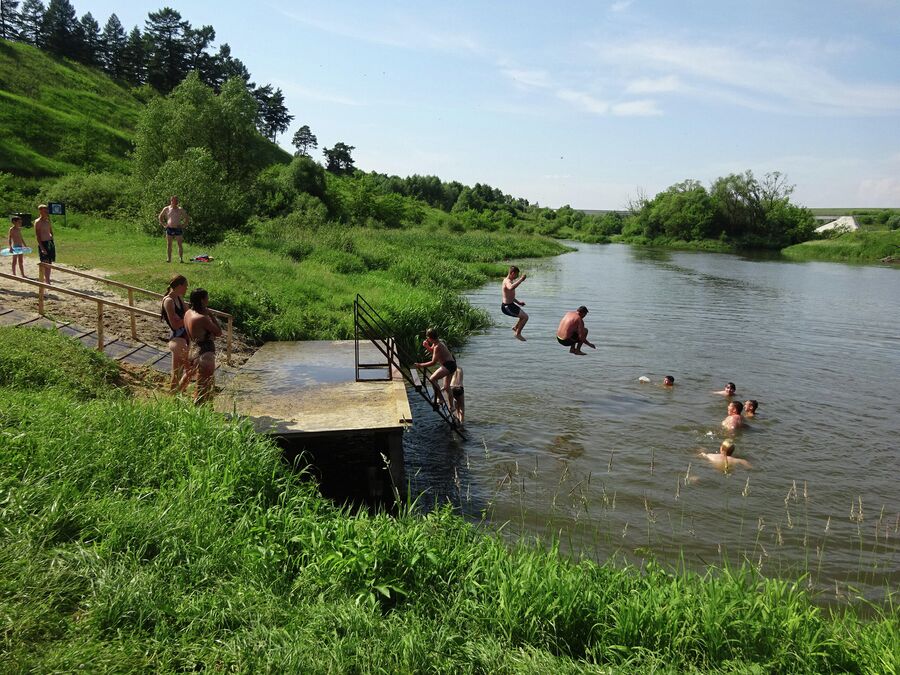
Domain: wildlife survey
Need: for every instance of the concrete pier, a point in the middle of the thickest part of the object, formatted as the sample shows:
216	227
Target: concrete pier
306	395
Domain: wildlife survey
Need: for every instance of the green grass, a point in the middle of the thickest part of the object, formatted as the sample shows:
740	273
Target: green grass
863	247
302	286
150	535
57	115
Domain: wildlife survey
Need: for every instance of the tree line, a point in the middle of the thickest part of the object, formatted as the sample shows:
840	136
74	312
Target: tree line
162	55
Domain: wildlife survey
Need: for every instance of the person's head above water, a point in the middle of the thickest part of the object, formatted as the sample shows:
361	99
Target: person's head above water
582	311
727	447
730	388
751	405
735	408
669	381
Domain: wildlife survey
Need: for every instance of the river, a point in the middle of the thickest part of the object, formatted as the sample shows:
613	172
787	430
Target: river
576	449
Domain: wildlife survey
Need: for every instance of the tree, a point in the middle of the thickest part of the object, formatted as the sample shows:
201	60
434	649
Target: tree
133	62
272	115
31	20
60	30
91	47
113	44
224	67
304	140
9	19
165	33
338	158
198	41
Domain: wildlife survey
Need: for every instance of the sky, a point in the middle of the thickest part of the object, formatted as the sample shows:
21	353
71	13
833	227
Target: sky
590	104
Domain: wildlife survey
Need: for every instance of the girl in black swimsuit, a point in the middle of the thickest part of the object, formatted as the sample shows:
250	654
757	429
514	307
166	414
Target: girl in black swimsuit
172	312
202	329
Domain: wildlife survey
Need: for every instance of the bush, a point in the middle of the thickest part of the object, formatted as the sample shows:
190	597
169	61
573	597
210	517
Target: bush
213	205
102	194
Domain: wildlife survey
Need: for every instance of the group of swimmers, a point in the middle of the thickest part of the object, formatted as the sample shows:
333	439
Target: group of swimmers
192	338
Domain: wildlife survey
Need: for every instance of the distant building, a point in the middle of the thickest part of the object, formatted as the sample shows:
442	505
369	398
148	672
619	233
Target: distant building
842	224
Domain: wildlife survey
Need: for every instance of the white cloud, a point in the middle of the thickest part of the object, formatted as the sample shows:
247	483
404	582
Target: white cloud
653	85
642	108
583	100
727	71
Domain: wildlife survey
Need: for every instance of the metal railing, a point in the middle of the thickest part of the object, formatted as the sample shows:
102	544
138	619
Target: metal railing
371	327
229	319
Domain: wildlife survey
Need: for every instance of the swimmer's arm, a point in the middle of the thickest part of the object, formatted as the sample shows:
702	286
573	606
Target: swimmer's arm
430	363
517	283
213	325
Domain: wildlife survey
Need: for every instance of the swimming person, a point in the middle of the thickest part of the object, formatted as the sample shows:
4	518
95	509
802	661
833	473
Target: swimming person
202	329
668	381
16	240
43	232
723	460
440	354
729	390
173	219
458	396
572	332
734	420
172	312
750	407
510	305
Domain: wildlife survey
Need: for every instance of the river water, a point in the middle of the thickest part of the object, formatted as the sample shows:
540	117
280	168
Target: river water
575	449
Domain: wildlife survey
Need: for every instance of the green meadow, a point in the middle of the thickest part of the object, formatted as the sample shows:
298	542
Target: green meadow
859	246
149	535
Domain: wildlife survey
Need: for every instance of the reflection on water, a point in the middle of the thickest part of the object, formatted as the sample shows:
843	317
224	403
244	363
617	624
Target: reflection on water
576	448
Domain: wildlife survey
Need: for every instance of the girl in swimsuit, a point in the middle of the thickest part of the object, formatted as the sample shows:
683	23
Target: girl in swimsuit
458	395
202	329
172	312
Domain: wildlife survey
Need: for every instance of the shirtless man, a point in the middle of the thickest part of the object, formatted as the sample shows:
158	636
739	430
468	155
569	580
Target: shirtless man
511	306
440	354
572	332
723	459
729	390
750	407
734	420
173	219
668	381
43	232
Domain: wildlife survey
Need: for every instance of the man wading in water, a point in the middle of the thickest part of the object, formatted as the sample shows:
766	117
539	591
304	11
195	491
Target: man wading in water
511	306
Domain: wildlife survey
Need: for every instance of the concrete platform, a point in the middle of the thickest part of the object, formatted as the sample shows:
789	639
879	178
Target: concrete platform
296	389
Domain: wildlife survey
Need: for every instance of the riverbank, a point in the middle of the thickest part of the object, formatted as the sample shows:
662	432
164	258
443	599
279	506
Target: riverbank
856	247
147	534
299	284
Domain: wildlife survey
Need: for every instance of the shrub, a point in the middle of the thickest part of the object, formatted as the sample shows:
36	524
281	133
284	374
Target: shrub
103	194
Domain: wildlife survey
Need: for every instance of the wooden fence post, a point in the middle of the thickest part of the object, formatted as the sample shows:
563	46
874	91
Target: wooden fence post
41	300
131	304
228	340
100	325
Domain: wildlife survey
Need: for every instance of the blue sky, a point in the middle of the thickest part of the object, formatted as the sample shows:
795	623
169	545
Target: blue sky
584	103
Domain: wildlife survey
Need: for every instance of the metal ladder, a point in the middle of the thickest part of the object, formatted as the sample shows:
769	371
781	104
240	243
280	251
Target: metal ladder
370	326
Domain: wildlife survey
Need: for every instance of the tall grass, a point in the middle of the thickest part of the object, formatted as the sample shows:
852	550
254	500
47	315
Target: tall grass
150	535
849	247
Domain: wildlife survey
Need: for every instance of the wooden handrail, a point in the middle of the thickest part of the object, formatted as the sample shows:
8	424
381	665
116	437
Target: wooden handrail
101	304
229	332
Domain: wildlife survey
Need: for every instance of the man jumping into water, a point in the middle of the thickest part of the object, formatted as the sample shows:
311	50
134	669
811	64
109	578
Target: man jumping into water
572	332
511	306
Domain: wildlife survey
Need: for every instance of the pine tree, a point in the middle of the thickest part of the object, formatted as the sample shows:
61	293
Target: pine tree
338	158
167	49
305	140
224	66
60	30
31	21
9	19
112	47
133	63
89	31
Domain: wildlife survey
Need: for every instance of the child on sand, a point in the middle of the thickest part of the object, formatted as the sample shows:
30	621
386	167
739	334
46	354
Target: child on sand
16	240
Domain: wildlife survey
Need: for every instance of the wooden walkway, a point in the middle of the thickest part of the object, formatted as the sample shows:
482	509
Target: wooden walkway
131	352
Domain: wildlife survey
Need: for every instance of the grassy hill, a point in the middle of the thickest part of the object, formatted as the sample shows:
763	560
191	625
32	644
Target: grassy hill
57	116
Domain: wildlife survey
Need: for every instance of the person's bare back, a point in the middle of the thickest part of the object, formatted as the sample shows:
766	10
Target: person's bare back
724	460
572	332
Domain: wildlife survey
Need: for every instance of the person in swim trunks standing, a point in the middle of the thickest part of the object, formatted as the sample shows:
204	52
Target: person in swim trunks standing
440	354
572	332
43	232
173	219
510	305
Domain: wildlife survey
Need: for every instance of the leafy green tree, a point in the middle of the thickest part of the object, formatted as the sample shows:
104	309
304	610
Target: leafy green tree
112	47
272	116
133	63
9	19
225	67
198	41
165	32
60	30
91	45
339	159
304	140
31	21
